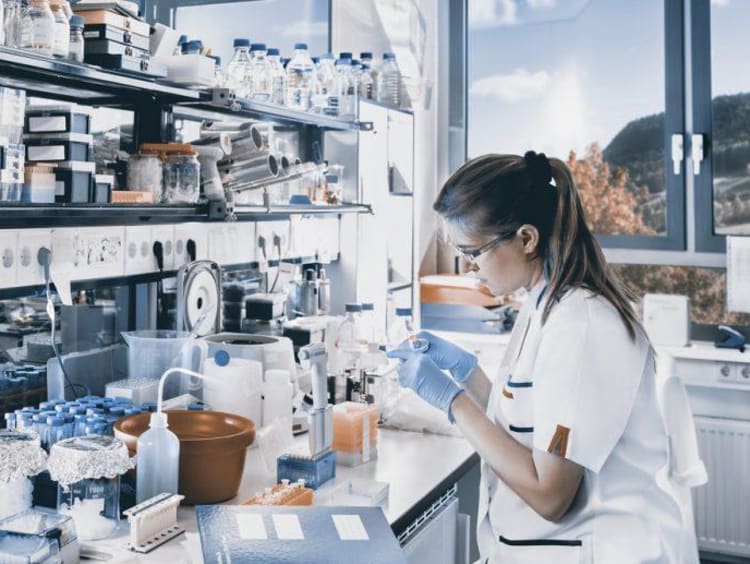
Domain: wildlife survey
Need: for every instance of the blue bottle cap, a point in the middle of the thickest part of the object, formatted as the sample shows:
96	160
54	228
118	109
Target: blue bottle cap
55	421
368	307
273	52
258	47
79	410
345	55
352	308
80	418
216	59
117	411
183	39
77	22
123	401
94	411
389	57
403	311
222	358
68	418
132	411
315	60
298	46
365	55
239	42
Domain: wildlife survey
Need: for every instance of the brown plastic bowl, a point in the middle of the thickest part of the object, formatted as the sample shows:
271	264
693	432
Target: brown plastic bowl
213	446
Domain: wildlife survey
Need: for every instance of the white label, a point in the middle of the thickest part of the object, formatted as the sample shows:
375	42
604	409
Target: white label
251	527
46	124
90	34
287	526
46	153
350	527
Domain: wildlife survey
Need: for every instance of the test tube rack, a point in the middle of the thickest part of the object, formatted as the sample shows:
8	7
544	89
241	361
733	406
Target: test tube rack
154	522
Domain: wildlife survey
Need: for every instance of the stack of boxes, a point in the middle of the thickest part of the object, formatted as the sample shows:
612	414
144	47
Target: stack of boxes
60	137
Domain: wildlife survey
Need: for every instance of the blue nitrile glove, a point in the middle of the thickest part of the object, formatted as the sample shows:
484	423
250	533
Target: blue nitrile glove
422	375
448	356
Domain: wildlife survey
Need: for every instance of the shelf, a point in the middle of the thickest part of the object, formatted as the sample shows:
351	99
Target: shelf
86	84
80	215
262	111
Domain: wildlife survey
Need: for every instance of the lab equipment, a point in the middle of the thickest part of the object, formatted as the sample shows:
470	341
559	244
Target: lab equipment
324	293
285	493
76	43
259	74
448	356
366	79
235	77
278	77
313	470
666	319
402	332
181	171
273	352
58	147
58	118
158	467
355	433
265	306
74	181
422	375
348	99
299	72
88	471
309	294
154	522
48	532
22	457
235	386
277	396
212	443
145	174
326	99
388	82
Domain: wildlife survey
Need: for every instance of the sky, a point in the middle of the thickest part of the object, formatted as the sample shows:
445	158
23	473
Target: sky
556	75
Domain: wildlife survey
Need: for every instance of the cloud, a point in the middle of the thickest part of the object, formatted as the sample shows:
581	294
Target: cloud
519	86
305	29
493	13
534	4
720	3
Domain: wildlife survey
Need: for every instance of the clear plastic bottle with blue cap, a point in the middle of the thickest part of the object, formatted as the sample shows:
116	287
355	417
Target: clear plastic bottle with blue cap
259	74
402	329
278	77
299	74
234	78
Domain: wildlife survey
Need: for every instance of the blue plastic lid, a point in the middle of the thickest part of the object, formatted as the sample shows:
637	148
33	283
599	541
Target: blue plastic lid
79	410
345	55
285	60
356	63
123	401
133	411
216	59
365	55
149	406
222	358
368	307
350	308
194	45
46	404
77	21
332	177
55	421
94	411
108	401
117	411
300	200
389	57
403	311
258	47
273	52
298	46
80	418
239	42
183	39
68	418
343	62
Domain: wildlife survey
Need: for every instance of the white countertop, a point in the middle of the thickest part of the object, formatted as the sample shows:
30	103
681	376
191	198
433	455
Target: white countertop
414	464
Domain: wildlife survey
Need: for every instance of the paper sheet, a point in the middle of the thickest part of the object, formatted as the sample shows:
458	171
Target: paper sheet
287	526
738	274
251	526
350	527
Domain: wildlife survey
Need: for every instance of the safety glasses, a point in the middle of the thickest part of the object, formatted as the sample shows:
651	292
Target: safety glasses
471	255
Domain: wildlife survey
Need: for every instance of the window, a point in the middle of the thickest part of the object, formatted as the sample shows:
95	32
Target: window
280	24
596	83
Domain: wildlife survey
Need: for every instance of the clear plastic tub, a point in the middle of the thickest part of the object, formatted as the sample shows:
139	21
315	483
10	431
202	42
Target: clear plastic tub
151	353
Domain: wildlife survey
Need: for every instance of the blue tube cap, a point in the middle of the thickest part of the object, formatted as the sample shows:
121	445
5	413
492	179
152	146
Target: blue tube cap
258	47
239	42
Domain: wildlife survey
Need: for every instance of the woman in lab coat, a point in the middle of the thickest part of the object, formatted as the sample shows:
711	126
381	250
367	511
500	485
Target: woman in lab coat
573	446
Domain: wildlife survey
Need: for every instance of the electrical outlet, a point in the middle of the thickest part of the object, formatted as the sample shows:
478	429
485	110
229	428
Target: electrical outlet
725	372
232	243
164	234
743	373
139	255
185	232
271	229
28	270
8	257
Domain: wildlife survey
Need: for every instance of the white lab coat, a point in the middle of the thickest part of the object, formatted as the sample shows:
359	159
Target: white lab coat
581	388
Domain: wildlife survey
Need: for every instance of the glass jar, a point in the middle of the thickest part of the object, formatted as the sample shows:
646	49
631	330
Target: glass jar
75	50
12	22
22	457
42	26
145	174
182	174
94	505
61	41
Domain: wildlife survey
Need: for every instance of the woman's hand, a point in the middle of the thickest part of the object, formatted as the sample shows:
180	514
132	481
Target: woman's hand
422	375
448	356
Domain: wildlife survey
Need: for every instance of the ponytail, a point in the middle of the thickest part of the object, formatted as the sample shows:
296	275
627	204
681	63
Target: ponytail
496	194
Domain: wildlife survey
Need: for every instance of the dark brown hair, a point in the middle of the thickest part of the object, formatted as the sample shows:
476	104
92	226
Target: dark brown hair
497	194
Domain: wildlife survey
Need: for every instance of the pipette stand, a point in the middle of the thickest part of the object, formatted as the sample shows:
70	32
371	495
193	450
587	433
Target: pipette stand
154	522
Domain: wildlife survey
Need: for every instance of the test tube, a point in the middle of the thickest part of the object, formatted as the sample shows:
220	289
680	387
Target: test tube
10	421
55	430
79	426
416	344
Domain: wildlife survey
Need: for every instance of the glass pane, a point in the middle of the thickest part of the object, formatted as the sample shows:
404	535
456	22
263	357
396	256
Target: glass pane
279	24
730	90
706	288
583	81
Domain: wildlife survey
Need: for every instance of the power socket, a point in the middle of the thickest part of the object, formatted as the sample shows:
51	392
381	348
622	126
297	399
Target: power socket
8	257
138	250
164	234
28	270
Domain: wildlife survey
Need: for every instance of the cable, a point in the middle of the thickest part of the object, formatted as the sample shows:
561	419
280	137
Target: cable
277	244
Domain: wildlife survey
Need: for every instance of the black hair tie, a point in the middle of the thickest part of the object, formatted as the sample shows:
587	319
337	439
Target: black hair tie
538	167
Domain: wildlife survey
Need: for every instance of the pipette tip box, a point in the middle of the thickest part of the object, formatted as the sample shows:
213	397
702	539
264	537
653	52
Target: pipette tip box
315	471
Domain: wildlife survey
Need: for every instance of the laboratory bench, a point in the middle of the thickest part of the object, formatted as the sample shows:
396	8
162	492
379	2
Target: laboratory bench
419	468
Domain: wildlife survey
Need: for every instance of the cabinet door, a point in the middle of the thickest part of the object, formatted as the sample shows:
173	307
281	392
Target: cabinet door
436	541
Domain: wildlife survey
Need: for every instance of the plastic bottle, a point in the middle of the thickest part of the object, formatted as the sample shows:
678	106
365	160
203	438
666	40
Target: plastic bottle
299	74
401	327
158	462
368	322
324	293
325	99
259	74
388	85
309	294
218	72
348	102
366	80
41	22
75	51
350	332
278	77
277	396
237	67
55	430
61	43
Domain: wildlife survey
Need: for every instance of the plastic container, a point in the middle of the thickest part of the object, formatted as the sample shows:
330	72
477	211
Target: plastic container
74	182
151	353
313	471
58	119
259	77
158	465
324	293
77	42
278	77
59	147
145	174
366	79
326	100
348	102
39	185
94	505
182	173
12	23
42	27
237	388
388	85
61	43
237	68
299	73
277	396
55	431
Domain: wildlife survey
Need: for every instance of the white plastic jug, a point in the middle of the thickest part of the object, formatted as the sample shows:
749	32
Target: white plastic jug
240	388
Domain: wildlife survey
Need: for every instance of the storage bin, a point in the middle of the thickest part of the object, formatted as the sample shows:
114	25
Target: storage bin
58	119
128	64
112	33
109	47
74	182
44	147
